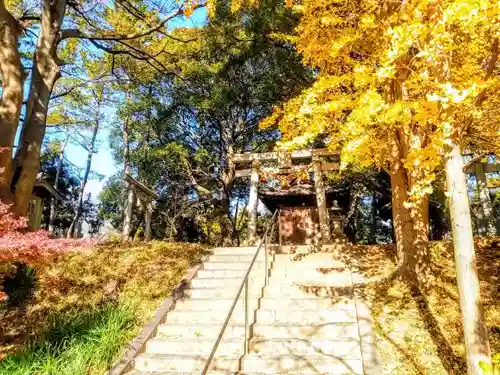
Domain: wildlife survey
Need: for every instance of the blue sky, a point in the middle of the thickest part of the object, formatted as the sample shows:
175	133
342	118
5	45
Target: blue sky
102	162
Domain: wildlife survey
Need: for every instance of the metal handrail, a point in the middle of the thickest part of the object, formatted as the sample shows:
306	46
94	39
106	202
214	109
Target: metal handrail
244	284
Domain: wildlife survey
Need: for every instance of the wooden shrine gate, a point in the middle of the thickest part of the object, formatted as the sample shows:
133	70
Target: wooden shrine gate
304	214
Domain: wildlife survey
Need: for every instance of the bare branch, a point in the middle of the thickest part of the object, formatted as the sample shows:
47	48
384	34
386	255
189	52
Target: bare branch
80	85
74	33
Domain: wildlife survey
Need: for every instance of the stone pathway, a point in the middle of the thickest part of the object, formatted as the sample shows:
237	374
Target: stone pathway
307	320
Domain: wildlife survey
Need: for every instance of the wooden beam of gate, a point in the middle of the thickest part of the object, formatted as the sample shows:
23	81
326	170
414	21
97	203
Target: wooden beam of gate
292	169
488	168
270	156
140	186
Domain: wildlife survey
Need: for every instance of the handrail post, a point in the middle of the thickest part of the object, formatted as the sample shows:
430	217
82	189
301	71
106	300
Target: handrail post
246	316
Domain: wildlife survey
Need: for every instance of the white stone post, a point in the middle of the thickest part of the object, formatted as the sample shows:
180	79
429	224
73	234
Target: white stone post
253	200
324	222
129	204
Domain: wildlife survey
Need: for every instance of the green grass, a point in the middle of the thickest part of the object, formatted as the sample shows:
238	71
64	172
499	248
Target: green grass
82	343
81	309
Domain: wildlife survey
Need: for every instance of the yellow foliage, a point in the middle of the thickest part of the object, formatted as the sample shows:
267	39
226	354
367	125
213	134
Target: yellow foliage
16	7
419	71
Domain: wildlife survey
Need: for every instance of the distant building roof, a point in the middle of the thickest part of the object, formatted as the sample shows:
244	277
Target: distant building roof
41	183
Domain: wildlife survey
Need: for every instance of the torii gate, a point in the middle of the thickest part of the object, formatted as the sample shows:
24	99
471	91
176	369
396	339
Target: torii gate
253	162
145	196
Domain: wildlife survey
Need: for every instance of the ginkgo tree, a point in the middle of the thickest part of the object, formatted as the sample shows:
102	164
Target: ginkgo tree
405	86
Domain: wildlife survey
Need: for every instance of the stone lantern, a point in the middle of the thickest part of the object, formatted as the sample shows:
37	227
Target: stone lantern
336	219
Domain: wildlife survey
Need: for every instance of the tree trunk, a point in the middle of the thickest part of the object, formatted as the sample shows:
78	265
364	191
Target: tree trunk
81	195
126	143
45	73
228	176
373	227
475	331
53	201
226	226
12	75
410	223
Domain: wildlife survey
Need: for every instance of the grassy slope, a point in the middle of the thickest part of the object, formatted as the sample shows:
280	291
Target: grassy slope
419	332
87	306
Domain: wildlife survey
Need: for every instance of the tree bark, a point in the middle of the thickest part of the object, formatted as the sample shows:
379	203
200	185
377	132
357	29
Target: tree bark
228	176
81	194
373	227
53	201
126	143
45	73
12	74
475	331
226	227
410	222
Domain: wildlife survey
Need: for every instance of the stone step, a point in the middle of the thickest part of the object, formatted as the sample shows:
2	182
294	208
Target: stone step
137	372
200	331
236	250
231	265
176	362
306	303
231	258
219	293
308	256
339	331
318	363
304	316
202	346
222	273
312	372
334	249
338	280
340	349
229	282
206	317
294	271
201	304
295	291
306	264
264	316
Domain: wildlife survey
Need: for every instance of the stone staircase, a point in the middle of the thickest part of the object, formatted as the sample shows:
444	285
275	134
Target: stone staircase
304	322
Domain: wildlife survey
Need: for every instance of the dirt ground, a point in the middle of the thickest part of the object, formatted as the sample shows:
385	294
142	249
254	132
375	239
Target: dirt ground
419	332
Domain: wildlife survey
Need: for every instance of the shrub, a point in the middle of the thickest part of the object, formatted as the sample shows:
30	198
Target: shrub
18	246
